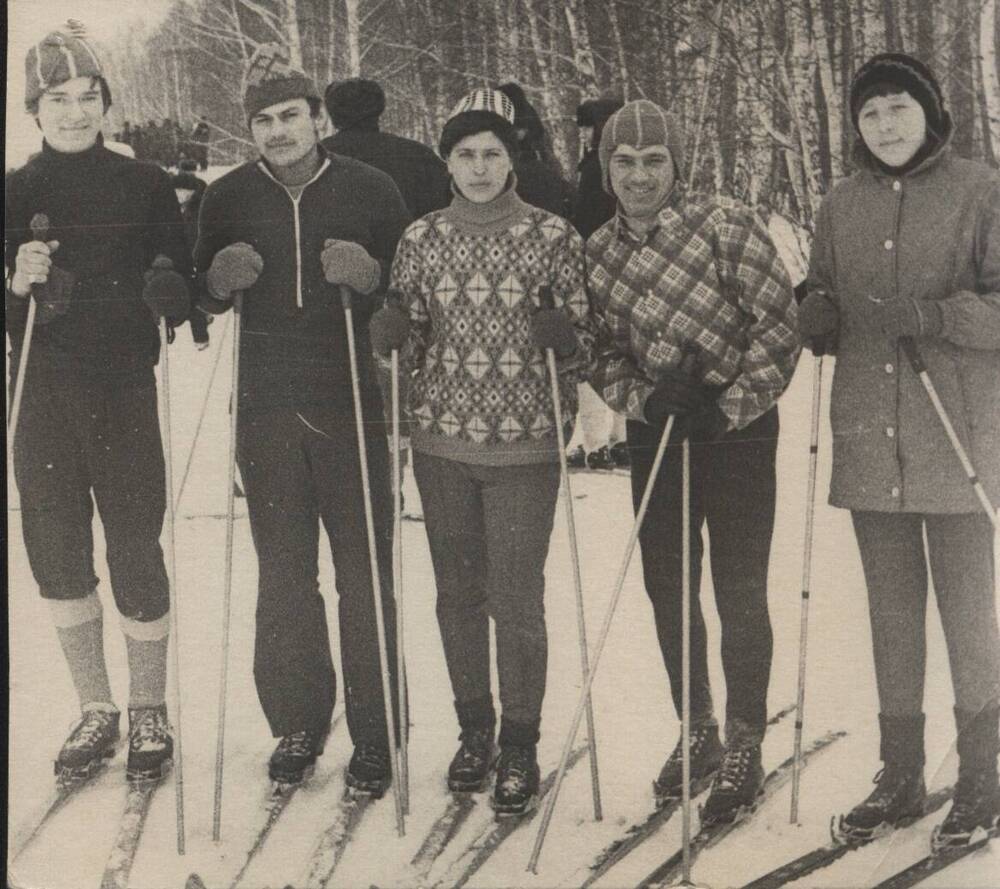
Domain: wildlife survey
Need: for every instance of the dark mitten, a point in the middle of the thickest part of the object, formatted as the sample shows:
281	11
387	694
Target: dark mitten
708	425
819	323
677	392
166	291
52	297
235	267
909	318
552	329
388	329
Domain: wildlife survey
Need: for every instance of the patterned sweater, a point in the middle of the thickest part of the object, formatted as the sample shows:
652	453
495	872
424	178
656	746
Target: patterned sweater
470	276
705	280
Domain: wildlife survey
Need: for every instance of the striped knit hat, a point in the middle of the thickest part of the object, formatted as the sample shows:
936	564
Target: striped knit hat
485	99
640	124
271	78
897	71
481	110
59	56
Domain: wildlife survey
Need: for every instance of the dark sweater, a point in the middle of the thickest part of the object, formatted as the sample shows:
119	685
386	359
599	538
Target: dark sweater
111	215
419	174
294	342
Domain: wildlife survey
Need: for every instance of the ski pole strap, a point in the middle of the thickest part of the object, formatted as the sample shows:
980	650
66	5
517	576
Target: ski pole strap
913	354
345	296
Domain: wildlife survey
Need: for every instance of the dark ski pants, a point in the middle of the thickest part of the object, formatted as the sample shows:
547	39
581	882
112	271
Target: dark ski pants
300	470
733	492
489	529
83	438
960	551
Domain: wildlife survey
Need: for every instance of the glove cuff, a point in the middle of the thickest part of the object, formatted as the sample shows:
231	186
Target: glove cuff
930	317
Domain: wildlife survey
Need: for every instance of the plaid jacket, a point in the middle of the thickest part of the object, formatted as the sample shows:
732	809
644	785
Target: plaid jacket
706	280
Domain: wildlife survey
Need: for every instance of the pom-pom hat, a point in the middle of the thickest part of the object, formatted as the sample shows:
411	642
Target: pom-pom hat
271	78
640	124
59	56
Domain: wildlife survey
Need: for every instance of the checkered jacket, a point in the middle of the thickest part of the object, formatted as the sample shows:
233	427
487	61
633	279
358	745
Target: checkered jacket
708	281
480	391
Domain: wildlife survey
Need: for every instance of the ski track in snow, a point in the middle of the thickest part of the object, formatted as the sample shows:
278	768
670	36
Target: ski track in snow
630	690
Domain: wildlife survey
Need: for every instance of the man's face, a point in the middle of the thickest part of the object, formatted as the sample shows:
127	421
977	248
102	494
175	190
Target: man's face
641	178
285	133
480	165
893	127
70	114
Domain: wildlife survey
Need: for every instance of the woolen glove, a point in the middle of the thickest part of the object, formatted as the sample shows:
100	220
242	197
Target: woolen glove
50	285
819	323
708	425
388	329
552	329
235	267
166	291
909	318
345	262
677	392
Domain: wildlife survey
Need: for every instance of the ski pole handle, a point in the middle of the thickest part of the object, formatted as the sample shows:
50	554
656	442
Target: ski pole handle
345	297
545	298
40	227
912	354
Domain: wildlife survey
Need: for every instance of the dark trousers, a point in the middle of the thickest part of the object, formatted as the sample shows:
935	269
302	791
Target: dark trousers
83	438
733	491
960	550
488	529
299	470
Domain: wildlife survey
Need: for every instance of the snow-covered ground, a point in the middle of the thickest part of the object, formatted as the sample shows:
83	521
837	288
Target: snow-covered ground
635	723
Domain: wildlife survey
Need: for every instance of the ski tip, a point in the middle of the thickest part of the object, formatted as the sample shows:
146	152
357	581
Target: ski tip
194	882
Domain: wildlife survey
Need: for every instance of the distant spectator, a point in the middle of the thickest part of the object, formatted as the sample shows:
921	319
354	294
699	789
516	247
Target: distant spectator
198	144
189	190
594	206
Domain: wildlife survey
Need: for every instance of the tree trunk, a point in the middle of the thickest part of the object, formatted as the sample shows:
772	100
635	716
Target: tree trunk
622	72
550	99
583	55
989	77
291	22
353	38
959	81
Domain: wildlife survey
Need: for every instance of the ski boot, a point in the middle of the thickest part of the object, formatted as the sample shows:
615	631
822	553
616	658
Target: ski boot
975	808
470	768
620	455
93	740
600	459
706	754
899	795
150	745
516	790
294	759
577	458
736	786
368	773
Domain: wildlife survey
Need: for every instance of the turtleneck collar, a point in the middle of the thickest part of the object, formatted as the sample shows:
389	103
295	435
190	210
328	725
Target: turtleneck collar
73	157
488	218
934	148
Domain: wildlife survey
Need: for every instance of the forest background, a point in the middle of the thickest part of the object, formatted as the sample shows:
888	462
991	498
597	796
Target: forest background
761	85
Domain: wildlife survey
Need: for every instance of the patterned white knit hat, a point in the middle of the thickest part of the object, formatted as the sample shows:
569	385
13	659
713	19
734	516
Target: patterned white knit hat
485	99
59	56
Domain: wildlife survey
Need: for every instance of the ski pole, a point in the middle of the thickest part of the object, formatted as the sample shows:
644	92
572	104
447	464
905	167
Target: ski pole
172	583
345	297
547	302
220	741
397	586
686	659
550	801
920	369
806	583
201	415
40	232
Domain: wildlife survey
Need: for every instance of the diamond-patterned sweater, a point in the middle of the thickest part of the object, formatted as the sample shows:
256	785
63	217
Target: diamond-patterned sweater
470	276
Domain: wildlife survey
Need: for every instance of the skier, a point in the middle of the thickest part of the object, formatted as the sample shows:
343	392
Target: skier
88	424
601	430
355	106
484	442
907	250
189	190
678	280
290	230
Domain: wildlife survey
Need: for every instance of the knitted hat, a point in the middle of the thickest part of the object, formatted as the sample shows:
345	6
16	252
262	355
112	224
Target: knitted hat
352	101
270	79
640	124
480	111
60	56
902	73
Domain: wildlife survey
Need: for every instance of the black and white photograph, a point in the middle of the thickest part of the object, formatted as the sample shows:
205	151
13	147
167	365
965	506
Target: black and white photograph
514	444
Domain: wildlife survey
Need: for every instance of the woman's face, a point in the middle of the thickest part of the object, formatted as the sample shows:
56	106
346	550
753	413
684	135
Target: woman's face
893	127
480	165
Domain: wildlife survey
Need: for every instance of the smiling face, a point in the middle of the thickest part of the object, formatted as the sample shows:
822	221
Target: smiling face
641	178
285	132
480	165
893	127
70	114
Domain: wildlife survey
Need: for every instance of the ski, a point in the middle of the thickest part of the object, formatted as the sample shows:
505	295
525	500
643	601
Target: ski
442	832
824	856
333	842
641	831
934	863
119	865
706	837
493	834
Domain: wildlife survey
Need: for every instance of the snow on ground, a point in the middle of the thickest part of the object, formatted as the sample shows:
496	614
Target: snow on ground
635	724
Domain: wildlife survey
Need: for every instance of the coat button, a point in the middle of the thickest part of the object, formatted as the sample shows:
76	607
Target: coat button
894	491
888	244
897	185
890	431
889	368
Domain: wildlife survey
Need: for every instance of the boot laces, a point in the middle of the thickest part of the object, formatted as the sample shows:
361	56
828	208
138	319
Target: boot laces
371	755
734	768
149	729
699	737
515	767
475	746
93	725
888	783
298	744
968	796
